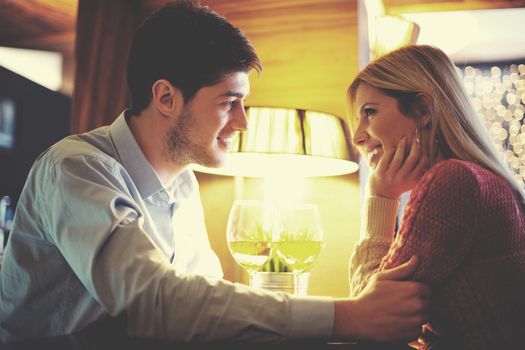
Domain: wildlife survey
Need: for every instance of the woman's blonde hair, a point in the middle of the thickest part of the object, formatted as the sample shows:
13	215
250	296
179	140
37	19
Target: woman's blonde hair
455	128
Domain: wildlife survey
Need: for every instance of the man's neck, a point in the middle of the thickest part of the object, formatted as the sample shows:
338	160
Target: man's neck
149	131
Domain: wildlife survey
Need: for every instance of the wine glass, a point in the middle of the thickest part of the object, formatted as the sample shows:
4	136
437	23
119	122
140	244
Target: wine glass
298	239
249	234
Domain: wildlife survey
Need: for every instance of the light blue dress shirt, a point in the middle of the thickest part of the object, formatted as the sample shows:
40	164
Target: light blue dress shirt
96	233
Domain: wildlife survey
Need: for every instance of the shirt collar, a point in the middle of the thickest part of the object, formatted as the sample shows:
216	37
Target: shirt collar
138	167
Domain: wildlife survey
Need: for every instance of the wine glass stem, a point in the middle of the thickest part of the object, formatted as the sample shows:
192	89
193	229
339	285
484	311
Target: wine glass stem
250	278
296	282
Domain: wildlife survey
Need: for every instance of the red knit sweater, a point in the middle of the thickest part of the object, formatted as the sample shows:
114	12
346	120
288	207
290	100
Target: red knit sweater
467	225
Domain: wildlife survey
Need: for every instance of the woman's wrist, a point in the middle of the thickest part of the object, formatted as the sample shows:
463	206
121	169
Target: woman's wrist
379	219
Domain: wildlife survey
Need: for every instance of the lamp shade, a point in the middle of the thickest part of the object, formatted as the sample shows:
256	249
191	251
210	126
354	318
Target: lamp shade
392	32
285	141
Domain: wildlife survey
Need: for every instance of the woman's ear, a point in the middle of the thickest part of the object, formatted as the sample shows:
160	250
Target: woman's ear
167	99
424	108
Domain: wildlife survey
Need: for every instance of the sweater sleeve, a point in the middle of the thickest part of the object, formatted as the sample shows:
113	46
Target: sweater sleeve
376	235
440	223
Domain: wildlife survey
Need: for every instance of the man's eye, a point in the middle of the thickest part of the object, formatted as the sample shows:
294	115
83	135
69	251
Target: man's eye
230	104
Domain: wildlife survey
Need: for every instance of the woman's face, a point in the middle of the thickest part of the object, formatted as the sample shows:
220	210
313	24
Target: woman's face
380	124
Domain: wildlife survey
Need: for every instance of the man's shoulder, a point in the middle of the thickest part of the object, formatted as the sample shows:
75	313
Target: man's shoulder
95	144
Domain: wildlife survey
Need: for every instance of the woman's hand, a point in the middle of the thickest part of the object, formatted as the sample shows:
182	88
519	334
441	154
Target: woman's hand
396	172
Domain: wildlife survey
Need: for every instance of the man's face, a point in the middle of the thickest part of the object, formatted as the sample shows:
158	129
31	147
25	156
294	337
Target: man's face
203	131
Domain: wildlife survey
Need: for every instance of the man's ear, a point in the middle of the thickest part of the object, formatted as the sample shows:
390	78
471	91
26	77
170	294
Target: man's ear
167	99
424	108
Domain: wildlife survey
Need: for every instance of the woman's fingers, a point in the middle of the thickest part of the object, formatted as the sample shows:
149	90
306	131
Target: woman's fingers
399	169
384	162
399	156
412	158
421	166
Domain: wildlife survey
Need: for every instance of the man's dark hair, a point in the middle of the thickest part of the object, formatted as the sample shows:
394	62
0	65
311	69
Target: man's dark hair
190	46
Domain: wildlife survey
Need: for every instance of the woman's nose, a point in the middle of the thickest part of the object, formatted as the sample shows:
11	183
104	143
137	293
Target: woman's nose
360	136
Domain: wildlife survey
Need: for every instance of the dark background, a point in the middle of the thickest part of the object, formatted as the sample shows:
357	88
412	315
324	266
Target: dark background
42	117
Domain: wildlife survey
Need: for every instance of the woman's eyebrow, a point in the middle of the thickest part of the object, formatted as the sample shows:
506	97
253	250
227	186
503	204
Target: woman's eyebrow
367	104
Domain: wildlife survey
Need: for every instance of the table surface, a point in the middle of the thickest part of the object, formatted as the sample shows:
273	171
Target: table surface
109	334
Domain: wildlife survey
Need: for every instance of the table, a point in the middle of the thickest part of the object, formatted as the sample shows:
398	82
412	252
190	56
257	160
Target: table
110	334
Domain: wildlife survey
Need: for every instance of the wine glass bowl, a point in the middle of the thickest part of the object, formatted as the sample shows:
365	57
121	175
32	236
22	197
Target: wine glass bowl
249	234
258	233
298	239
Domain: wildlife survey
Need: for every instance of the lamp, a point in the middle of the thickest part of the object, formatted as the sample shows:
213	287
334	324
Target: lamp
289	141
392	32
387	32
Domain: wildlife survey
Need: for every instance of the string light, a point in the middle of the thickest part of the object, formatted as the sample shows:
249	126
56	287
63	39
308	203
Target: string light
498	96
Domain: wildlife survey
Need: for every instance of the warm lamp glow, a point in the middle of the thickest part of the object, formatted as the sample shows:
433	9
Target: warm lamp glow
263	165
287	141
387	32
461	29
374	9
392	32
284	191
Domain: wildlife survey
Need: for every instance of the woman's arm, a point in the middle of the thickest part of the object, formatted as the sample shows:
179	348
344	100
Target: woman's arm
397	172
376	236
440	222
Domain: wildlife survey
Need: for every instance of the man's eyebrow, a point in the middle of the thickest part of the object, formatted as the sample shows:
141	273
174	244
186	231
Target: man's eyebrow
233	94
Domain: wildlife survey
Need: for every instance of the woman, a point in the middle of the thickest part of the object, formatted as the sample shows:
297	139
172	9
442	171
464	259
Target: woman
465	218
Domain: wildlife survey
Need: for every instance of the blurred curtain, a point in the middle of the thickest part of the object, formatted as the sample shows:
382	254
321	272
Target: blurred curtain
104	33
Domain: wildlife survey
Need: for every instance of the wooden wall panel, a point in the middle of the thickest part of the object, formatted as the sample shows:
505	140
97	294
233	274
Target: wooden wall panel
308	49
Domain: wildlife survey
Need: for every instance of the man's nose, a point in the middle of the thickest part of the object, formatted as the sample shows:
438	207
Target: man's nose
239	121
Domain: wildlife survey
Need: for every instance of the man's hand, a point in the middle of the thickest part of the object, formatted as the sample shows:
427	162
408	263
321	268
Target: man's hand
388	309
398	170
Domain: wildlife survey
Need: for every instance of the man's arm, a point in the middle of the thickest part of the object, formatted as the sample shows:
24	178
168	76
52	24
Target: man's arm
388	309
99	229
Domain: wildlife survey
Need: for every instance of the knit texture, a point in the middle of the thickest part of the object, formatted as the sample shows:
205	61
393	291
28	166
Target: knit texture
467	226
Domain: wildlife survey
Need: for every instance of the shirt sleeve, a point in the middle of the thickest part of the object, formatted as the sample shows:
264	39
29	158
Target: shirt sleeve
376	236
99	230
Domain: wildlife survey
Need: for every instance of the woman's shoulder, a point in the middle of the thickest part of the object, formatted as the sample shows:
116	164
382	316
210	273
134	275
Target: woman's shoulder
452	170
451	177
448	181
462	171
456	177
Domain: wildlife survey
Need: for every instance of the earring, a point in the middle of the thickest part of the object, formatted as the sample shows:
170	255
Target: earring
418	140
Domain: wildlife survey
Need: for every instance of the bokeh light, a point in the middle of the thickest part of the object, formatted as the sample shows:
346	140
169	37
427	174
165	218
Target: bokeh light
498	96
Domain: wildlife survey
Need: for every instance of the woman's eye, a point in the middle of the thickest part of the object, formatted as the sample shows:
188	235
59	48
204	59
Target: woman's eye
368	112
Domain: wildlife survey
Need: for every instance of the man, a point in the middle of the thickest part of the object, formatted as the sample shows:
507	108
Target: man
110	221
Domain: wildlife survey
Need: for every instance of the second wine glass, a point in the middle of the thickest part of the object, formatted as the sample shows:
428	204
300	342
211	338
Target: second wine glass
298	238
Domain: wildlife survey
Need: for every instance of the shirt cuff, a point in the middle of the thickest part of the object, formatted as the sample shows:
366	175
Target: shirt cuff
312	317
379	219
